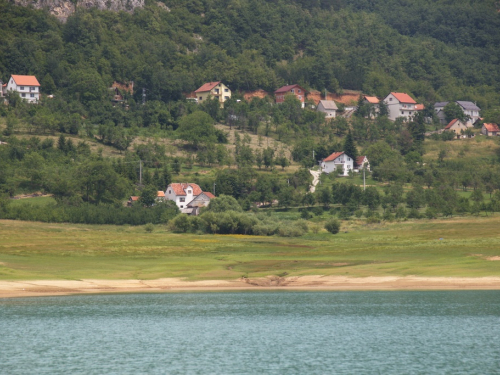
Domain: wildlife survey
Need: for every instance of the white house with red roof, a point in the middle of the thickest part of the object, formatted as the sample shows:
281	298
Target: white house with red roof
490	129
27	87
361	163
216	90
188	196
338	161
296	90
400	104
457	126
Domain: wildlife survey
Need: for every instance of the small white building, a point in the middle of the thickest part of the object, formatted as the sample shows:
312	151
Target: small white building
490	129
338	161
361	163
374	104
27	87
400	104
470	109
328	107
188	197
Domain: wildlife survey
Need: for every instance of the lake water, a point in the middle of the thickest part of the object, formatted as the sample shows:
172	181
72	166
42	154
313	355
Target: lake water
253	333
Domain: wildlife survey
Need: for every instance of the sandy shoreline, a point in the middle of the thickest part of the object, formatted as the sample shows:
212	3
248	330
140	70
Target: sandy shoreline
32	288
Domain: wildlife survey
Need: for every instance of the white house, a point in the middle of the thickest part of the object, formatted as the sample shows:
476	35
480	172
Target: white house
27	87
374	104
337	161
187	196
328	107
361	163
470	109
400	104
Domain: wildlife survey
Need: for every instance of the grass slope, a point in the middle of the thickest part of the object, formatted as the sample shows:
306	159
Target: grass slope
65	251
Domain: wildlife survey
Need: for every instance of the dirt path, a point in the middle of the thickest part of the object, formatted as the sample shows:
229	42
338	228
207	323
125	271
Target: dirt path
316	175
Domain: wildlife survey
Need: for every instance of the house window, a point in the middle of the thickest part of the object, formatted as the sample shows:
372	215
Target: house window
348	159
32	88
23	95
182	199
189	191
293	91
21	88
299	91
390	99
217	97
226	97
410	112
226	90
402	113
32	95
170	191
201	98
182	206
216	91
300	97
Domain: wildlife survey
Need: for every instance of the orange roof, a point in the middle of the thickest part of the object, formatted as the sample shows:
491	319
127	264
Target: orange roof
491	127
372	99
133	198
419	107
25	80
452	122
160	194
360	160
403	98
179	189
333	156
208	86
210	195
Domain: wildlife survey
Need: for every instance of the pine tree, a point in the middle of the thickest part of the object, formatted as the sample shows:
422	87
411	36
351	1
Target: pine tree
349	147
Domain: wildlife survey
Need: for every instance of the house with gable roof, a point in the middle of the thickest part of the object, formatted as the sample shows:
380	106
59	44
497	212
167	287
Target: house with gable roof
374	104
188	197
471	110
296	90
216	90
457	126
490	129
328	107
338	161
27	87
361	163
400	104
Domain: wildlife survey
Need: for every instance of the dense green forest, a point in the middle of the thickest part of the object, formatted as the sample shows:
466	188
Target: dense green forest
435	51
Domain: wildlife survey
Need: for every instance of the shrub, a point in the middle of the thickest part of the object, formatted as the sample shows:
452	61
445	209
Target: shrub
413	214
372	220
149	227
388	216
332	226
430	213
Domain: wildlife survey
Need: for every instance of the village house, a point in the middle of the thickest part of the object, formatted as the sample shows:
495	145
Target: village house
338	161
132	200
328	107
471	110
216	90
457	126
490	129
361	163
374	104
400	105
188	197
27	87
296	90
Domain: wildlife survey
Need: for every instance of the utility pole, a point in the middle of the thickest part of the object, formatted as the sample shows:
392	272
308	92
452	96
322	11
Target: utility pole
140	172
364	179
143	96
313	155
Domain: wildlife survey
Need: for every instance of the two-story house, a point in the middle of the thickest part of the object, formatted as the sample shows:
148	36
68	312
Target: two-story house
400	104
328	107
374	104
27	87
216	90
338	161
187	196
471	110
296	90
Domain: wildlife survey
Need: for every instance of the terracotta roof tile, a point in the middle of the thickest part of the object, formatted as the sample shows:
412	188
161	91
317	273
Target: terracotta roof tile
333	156
360	160
419	107
491	127
452	122
208	194
403	98
179	189
160	194
208	86
372	99
25	80
133	198
287	88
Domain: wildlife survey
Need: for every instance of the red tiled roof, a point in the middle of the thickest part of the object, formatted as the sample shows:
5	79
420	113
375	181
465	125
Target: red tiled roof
210	195
452	122
360	160
179	189
133	198
333	156
419	107
287	88
491	127
403	98
25	80
372	99
160	194
208	86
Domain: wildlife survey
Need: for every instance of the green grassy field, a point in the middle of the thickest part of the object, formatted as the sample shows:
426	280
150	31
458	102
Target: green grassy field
451	247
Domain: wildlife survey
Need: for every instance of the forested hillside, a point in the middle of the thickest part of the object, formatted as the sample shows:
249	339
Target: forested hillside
432	50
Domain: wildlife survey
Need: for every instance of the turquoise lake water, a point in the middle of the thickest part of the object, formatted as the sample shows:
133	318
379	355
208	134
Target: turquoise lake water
253	333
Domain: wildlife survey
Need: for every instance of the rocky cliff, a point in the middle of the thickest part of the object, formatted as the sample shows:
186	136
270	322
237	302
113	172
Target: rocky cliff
62	9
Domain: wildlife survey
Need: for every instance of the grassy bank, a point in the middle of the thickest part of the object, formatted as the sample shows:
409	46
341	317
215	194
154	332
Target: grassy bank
451	247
